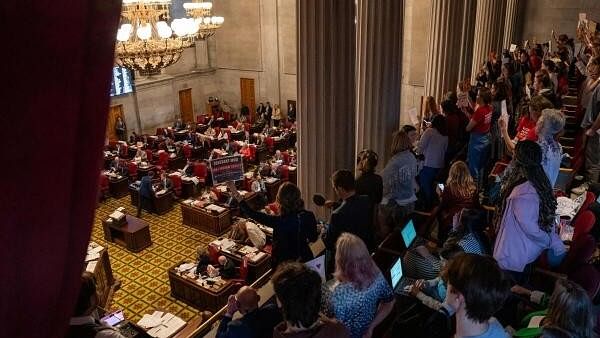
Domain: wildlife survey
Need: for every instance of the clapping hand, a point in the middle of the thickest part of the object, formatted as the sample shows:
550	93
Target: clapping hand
232	305
417	287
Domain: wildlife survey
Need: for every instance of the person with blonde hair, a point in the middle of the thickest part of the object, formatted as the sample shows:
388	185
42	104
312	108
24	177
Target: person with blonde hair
459	192
549	129
399	184
359	296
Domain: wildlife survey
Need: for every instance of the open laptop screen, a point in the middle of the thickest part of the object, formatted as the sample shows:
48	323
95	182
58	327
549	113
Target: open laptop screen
409	233
396	272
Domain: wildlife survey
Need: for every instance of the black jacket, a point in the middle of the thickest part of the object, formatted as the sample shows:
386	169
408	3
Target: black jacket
256	324
354	215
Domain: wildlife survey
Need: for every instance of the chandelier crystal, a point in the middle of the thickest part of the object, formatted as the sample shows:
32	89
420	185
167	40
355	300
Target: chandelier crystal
146	42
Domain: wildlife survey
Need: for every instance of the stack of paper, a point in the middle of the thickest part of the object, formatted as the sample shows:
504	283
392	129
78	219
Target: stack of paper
224	243
117	215
270	180
161	325
215	208
91	257
185	267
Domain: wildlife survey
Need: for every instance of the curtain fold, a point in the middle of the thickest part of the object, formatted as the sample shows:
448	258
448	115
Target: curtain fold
56	68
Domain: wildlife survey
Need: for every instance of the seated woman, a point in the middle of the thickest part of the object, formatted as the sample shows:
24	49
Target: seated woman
359	297
526	129
570	309
459	192
469	232
293	229
432	292
528	209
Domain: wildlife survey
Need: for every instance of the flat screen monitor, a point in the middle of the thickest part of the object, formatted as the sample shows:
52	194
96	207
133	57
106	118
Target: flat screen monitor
122	81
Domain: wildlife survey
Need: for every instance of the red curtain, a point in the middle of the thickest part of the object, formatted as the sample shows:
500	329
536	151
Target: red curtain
56	65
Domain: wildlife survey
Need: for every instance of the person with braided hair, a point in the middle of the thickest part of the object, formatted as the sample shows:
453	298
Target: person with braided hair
528	209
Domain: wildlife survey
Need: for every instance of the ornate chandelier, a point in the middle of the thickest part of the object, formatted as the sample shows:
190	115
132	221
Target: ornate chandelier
147	43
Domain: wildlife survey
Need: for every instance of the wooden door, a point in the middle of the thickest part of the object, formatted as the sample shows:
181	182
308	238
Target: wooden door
247	96
113	113
185	105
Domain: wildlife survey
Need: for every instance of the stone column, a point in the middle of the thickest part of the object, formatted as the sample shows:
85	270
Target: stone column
466	39
489	31
326	92
378	71
443	52
510	23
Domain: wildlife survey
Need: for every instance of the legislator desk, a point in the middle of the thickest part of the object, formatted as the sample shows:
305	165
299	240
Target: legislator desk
259	262
213	222
163	203
143	170
98	264
202	293
118	185
177	162
134	235
272	184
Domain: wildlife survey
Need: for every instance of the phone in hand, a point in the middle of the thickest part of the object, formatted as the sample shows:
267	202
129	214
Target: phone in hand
441	186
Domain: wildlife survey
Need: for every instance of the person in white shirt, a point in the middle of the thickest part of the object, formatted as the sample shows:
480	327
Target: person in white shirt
85	323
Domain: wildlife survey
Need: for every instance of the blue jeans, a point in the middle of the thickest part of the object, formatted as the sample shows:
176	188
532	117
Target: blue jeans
478	153
426	178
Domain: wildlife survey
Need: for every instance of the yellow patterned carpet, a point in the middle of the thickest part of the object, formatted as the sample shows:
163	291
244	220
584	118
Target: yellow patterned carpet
143	275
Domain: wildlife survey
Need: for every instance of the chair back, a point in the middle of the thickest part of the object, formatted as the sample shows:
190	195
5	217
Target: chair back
163	159
149	155
285	172
286	157
103	183
583	223
244	268
200	170
132	168
213	253
176	179
270	143
187	151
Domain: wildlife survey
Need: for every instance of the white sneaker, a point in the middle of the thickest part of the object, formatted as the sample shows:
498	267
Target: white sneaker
581	189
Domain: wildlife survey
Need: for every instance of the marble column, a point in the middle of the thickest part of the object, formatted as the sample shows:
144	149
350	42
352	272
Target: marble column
489	32
326	94
510	23
378	74
443	52
466	39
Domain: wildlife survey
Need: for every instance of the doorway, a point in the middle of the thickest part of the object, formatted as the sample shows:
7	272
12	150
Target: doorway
247	96
185	105
113	113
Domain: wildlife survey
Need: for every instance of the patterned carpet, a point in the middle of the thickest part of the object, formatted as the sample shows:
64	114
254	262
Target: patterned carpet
143	275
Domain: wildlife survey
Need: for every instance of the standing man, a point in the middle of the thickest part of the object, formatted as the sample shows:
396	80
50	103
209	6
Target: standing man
268	113
120	129
146	194
260	110
353	215
291	115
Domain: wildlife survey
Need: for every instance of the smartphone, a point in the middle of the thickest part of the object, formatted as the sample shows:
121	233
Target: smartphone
441	186
114	318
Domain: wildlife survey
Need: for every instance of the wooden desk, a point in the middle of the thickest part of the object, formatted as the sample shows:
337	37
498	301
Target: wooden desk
255	269
134	235
143	171
204	220
162	203
106	284
200	296
272	189
177	162
118	186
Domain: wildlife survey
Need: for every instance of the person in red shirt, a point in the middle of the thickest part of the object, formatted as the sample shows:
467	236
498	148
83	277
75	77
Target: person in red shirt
526	128
479	140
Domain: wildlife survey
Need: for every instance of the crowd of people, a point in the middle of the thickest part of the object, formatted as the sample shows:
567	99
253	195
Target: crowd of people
473	275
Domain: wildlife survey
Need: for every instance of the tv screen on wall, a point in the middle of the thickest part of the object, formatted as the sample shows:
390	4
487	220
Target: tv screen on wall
122	81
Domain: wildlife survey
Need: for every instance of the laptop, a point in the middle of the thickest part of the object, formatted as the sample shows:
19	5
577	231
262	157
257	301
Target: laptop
399	282
409	234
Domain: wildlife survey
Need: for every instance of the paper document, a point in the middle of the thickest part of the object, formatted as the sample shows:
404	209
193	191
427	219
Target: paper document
91	257
91	266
